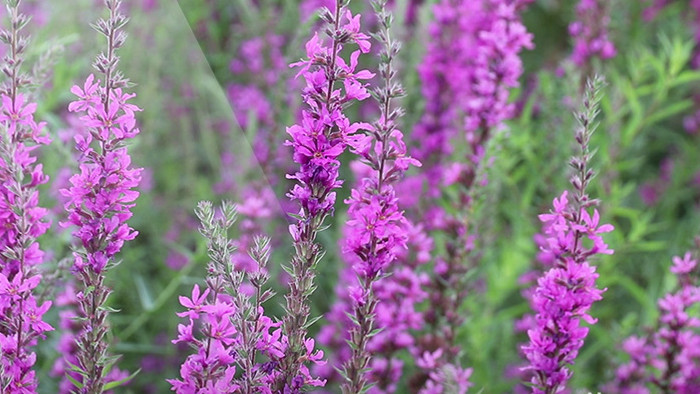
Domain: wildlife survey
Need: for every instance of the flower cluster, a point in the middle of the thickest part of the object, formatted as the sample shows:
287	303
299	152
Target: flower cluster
211	369
464	46
472	61
471	64
234	329
564	294
101	195
22	220
566	291
668	358
590	33
318	140
376	227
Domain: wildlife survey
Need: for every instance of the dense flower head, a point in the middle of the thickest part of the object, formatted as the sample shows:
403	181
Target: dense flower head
99	199
22	220
101	196
322	135
566	292
19	312
472	61
376	228
590	33
212	365
375	233
318	139
20	176
667	359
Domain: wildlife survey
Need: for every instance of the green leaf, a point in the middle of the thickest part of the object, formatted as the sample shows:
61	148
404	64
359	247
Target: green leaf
118	383
633	289
75	368
312	321
668	111
685	77
77	384
144	293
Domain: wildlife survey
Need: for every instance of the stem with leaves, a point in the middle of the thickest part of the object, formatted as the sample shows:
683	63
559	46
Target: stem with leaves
376	226
100	200
22	221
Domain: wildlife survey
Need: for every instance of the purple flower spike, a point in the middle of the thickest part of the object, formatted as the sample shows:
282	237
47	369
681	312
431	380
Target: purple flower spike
668	358
100	198
226	326
22	220
565	293
376	229
318	140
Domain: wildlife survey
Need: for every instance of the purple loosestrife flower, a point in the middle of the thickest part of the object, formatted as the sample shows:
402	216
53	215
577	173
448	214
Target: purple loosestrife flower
472	62
234	331
590	33
668	359
566	292
453	51
22	221
211	367
376	227
318	140
101	195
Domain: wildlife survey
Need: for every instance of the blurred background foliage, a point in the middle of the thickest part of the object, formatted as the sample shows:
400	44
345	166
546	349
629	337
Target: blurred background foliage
179	56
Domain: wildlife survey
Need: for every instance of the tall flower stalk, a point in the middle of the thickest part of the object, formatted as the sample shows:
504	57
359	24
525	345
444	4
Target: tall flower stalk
472	63
376	227
318	140
566	292
22	221
101	196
